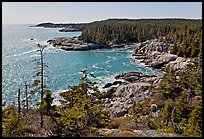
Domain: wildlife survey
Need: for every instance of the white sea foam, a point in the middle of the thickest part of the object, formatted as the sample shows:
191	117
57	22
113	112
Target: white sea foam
24	53
57	97
95	66
108	61
111	57
109	66
103	80
36	55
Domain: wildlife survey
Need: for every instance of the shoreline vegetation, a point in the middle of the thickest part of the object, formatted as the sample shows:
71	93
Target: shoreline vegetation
136	105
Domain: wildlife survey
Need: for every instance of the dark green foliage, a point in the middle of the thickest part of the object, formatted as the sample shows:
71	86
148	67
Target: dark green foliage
194	126
80	112
174	49
139	109
165	116
11	125
186	33
168	85
184	115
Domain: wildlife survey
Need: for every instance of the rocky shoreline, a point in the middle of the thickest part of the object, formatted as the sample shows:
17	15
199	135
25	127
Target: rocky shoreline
75	44
157	55
131	87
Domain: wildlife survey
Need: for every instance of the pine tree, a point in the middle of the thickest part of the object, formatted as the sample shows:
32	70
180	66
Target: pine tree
80	111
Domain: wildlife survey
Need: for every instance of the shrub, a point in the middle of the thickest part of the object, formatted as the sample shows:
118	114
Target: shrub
11	124
123	123
122	134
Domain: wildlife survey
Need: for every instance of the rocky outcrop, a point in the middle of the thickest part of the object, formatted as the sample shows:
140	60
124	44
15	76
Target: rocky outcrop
157	55
161	60
133	77
179	64
134	133
151	46
125	96
132	87
74	44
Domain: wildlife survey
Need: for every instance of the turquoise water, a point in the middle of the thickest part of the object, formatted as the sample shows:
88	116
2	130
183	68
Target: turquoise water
18	52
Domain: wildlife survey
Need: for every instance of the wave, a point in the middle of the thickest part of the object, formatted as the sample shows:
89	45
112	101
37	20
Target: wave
104	50
35	50
108	61
109	66
94	66
130	51
36	55
125	64
111	57
103	80
35	41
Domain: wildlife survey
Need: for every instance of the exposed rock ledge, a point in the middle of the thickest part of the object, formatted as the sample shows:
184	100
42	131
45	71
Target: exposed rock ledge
135	133
74	44
156	54
132	87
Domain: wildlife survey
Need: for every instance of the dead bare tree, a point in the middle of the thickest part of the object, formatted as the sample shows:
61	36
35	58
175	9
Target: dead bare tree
19	104
40	73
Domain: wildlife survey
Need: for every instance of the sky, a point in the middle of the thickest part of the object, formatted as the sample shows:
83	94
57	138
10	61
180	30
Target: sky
85	12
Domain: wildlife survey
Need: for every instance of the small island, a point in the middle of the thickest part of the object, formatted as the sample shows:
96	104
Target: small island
65	27
75	44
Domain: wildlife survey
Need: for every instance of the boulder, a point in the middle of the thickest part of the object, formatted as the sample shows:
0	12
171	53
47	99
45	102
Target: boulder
118	112
128	75
163	59
126	95
128	90
133	77
150	46
179	64
150	79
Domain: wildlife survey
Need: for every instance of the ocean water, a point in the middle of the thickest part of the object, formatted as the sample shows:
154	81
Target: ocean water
18	52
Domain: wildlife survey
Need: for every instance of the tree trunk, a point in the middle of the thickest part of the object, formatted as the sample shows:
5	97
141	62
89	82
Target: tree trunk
26	95
42	93
19	105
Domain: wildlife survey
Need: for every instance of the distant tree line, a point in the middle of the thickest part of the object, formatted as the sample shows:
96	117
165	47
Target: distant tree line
186	34
79	26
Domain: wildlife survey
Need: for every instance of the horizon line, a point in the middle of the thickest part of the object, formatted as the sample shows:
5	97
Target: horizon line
103	20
